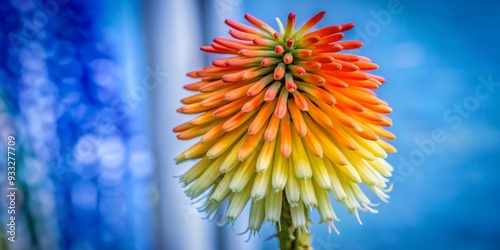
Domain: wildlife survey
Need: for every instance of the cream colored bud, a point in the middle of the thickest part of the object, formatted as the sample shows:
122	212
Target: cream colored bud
244	173
360	195
261	184
307	193
231	160
320	174
324	205
257	214
292	188
337	188
238	203
273	206
365	174
265	156
196	171
301	162
382	167
222	190
280	170
350	172
298	216
206	180
325	208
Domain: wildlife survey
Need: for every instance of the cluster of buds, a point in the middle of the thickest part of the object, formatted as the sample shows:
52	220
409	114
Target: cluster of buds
288	114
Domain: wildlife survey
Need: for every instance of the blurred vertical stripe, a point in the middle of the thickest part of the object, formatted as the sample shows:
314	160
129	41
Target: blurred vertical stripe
84	163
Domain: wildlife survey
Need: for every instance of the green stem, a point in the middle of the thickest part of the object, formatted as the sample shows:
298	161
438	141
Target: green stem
289	237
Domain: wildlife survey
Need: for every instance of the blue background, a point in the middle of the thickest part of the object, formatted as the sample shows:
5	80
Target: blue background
91	92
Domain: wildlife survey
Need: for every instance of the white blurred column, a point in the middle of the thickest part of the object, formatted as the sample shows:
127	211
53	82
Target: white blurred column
173	44
177	28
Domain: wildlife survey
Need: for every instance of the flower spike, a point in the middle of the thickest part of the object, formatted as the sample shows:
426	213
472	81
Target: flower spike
288	117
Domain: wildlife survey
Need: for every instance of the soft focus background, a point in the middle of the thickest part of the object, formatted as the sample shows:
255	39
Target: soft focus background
89	90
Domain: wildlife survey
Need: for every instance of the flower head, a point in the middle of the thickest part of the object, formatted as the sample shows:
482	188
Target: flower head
288	114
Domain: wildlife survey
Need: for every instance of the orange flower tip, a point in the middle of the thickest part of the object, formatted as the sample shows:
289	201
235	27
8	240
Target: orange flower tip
194	74
302	53
279	71
265	62
252	130
182	127
349	67
316	18
291	17
252	92
227	127
279	49
246	109
272	92
291	87
328	48
378	78
286	152
249	106
268	62
302	132
246	75
244	52
333	66
298	70
277	36
310	23
190	87
288	58
262	42
351	44
338	47
231	78
310	40
207	49
255	89
301	104
347	26
289	81
269	97
289	42
280	112
315	79
220	63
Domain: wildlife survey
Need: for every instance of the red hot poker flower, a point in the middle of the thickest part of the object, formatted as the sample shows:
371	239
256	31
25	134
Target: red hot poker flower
288	114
